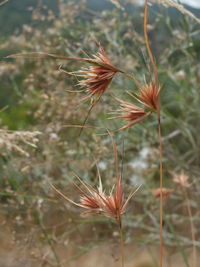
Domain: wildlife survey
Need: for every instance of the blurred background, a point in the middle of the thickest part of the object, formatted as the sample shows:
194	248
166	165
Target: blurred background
38	227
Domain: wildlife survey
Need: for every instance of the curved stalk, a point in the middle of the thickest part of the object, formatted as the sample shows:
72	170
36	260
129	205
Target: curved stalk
155	73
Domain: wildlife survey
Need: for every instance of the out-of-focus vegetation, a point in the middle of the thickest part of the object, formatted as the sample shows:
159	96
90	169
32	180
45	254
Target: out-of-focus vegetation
34	97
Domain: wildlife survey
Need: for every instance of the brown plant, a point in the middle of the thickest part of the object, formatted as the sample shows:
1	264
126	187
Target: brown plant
99	75
149	95
95	201
130	112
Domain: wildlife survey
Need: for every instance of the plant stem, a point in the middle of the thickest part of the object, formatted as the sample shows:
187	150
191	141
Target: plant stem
57	260
121	242
194	253
131	76
161	188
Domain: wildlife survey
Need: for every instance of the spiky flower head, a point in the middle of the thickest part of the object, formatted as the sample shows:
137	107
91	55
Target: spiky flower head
98	76
95	201
130	112
149	95
114	205
95	79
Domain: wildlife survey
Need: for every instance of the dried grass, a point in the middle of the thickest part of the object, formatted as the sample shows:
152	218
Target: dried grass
181	8
12	141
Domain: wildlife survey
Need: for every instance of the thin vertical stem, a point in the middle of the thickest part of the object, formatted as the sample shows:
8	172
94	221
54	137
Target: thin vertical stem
194	253
161	188
88	114
159	127
136	81
57	260
147	42
121	243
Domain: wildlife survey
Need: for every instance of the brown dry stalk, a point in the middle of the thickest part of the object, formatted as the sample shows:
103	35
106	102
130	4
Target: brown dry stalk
147	41
156	84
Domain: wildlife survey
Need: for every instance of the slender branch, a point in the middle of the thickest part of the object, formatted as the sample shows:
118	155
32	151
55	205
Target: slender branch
131	76
161	188
155	72
88	114
147	43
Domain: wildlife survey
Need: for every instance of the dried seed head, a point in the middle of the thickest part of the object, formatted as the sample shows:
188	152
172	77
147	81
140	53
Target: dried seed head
130	112
97	202
181	179
165	192
149	96
96	78
99	75
113	205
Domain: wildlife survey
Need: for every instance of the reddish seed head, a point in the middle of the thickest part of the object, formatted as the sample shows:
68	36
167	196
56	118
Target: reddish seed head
165	192
149	96
113	205
130	112
90	202
98	76
97	202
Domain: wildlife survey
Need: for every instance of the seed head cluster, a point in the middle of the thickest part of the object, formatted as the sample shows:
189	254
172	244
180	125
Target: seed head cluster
98	76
